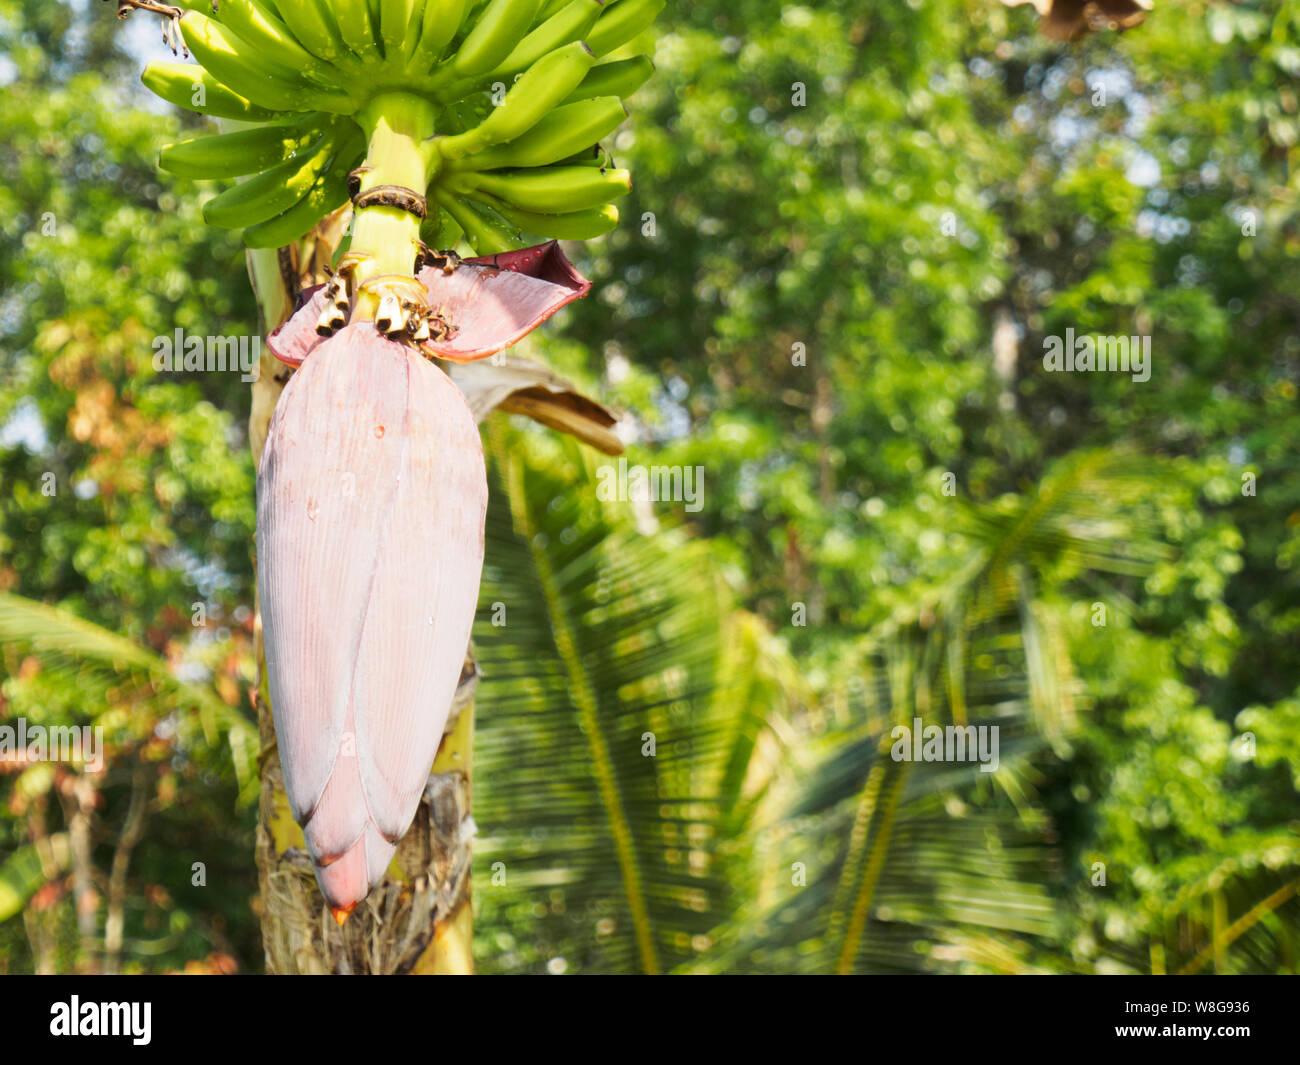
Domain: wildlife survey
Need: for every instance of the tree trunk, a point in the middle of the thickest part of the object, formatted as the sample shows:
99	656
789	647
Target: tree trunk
420	919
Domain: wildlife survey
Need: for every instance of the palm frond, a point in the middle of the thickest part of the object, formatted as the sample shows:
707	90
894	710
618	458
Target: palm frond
615	738
914	865
94	660
28	869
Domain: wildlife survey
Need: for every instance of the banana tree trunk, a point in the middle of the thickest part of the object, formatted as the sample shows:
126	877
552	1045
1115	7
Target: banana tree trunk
419	919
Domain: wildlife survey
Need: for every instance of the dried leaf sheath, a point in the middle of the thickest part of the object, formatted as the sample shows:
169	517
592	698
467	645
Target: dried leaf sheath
371	502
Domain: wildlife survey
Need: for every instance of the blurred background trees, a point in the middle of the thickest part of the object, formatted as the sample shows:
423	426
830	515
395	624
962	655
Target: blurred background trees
849	234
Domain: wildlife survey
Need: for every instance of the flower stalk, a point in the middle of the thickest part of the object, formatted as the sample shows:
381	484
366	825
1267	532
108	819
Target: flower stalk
399	129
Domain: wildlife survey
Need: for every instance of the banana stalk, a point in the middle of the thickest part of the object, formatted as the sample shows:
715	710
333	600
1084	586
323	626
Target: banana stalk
399	128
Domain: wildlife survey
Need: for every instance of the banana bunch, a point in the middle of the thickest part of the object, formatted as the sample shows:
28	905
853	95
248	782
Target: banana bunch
524	93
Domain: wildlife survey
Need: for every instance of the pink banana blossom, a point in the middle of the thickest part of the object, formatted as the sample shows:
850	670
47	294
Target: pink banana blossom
371	498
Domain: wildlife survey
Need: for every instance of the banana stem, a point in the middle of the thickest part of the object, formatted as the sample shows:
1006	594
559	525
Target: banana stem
398	128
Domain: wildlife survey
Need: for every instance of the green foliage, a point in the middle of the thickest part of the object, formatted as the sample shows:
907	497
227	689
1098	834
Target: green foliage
841	305
126	503
599	652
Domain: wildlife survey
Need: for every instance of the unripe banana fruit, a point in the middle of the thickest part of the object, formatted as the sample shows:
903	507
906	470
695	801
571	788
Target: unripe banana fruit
513	90
499	28
563	132
441	21
538	90
329	193
195	89
272	191
274	41
484	235
622	77
247	151
549	189
566	25
357	29
312	23
621	23
575	225
253	73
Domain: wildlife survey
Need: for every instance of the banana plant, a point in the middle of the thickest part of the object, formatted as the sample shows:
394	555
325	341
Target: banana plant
439	120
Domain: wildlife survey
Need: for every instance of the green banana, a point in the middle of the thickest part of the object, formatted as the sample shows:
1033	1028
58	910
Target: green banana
485	236
247	151
576	225
271	38
244	69
564	131
622	77
442	18
498	29
539	89
621	23
181	83
329	193
551	7
353	17
440	231
546	190
274	190
312	23
592	156
394	23
570	23
375	8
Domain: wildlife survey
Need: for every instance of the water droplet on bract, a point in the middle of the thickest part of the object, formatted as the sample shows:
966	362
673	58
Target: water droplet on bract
379	431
